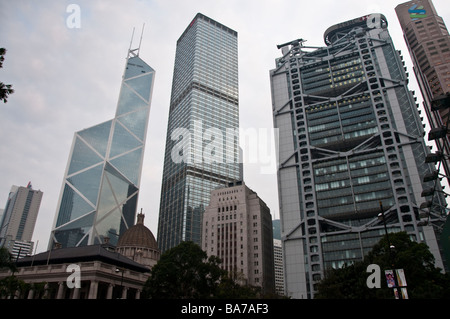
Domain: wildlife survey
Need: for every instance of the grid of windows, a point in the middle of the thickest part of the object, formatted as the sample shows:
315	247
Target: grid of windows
337	75
341	121
352	184
428	42
204	99
237	228
351	142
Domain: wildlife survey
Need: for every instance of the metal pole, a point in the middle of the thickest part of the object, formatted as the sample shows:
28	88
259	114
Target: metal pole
387	233
390	246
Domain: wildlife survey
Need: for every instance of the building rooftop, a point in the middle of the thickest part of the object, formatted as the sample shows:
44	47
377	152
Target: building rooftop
103	252
208	19
331	34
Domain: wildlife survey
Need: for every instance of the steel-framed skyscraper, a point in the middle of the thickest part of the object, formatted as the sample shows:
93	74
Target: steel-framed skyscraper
350	146
199	154
101	183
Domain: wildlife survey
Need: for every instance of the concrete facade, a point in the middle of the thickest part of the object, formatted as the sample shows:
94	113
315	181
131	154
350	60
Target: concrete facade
237	227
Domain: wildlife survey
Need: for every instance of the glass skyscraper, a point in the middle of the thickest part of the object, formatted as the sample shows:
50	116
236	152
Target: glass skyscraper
350	147
101	183
202	149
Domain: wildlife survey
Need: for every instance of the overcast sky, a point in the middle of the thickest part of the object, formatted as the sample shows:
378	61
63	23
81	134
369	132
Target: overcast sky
68	78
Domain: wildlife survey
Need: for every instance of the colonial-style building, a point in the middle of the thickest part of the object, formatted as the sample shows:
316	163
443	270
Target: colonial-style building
91	272
139	244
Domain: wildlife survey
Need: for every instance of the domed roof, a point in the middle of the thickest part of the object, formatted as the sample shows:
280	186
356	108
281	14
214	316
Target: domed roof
138	236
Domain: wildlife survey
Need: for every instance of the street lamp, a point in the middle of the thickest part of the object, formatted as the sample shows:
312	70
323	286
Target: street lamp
440	133
440	102
437	132
430	192
390	249
430	176
434	157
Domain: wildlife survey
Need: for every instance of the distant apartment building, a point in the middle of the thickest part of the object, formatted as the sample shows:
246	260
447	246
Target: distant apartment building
278	264
19	218
237	227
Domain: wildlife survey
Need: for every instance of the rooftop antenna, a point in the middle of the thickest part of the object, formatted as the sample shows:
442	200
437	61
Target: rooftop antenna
293	43
131	41
140	41
135	52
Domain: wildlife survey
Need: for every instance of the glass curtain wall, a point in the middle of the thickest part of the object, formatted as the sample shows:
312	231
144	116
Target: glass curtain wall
101	184
204	103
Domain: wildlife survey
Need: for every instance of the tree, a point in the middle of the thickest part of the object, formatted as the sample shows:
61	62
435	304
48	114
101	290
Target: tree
13	287
423	278
230	288
6	260
8	285
5	89
184	271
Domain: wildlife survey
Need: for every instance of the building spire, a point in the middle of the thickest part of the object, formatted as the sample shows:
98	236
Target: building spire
135	52
140	218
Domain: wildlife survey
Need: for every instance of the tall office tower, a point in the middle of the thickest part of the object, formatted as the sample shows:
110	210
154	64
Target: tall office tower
202	144
428	42
350	147
237	227
19	219
101	183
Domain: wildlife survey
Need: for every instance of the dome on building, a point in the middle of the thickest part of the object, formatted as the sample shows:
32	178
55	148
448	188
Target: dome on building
138	235
139	244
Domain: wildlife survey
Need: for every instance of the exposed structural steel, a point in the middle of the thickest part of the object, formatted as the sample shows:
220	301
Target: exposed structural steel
350	144
101	183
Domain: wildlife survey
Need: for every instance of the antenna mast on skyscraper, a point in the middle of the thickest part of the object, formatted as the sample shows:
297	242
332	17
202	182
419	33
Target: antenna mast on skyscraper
140	41
131	41
133	52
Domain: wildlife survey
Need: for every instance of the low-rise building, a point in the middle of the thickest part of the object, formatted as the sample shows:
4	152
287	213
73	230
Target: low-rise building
90	272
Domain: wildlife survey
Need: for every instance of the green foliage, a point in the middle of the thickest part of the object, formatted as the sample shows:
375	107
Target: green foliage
229	288
6	259
424	280
5	89
186	272
183	272
11	287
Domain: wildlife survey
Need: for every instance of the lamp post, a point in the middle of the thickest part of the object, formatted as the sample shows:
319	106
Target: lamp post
390	248
382	218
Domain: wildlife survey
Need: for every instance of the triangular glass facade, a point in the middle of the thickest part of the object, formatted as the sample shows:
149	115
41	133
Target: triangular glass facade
97	137
101	185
